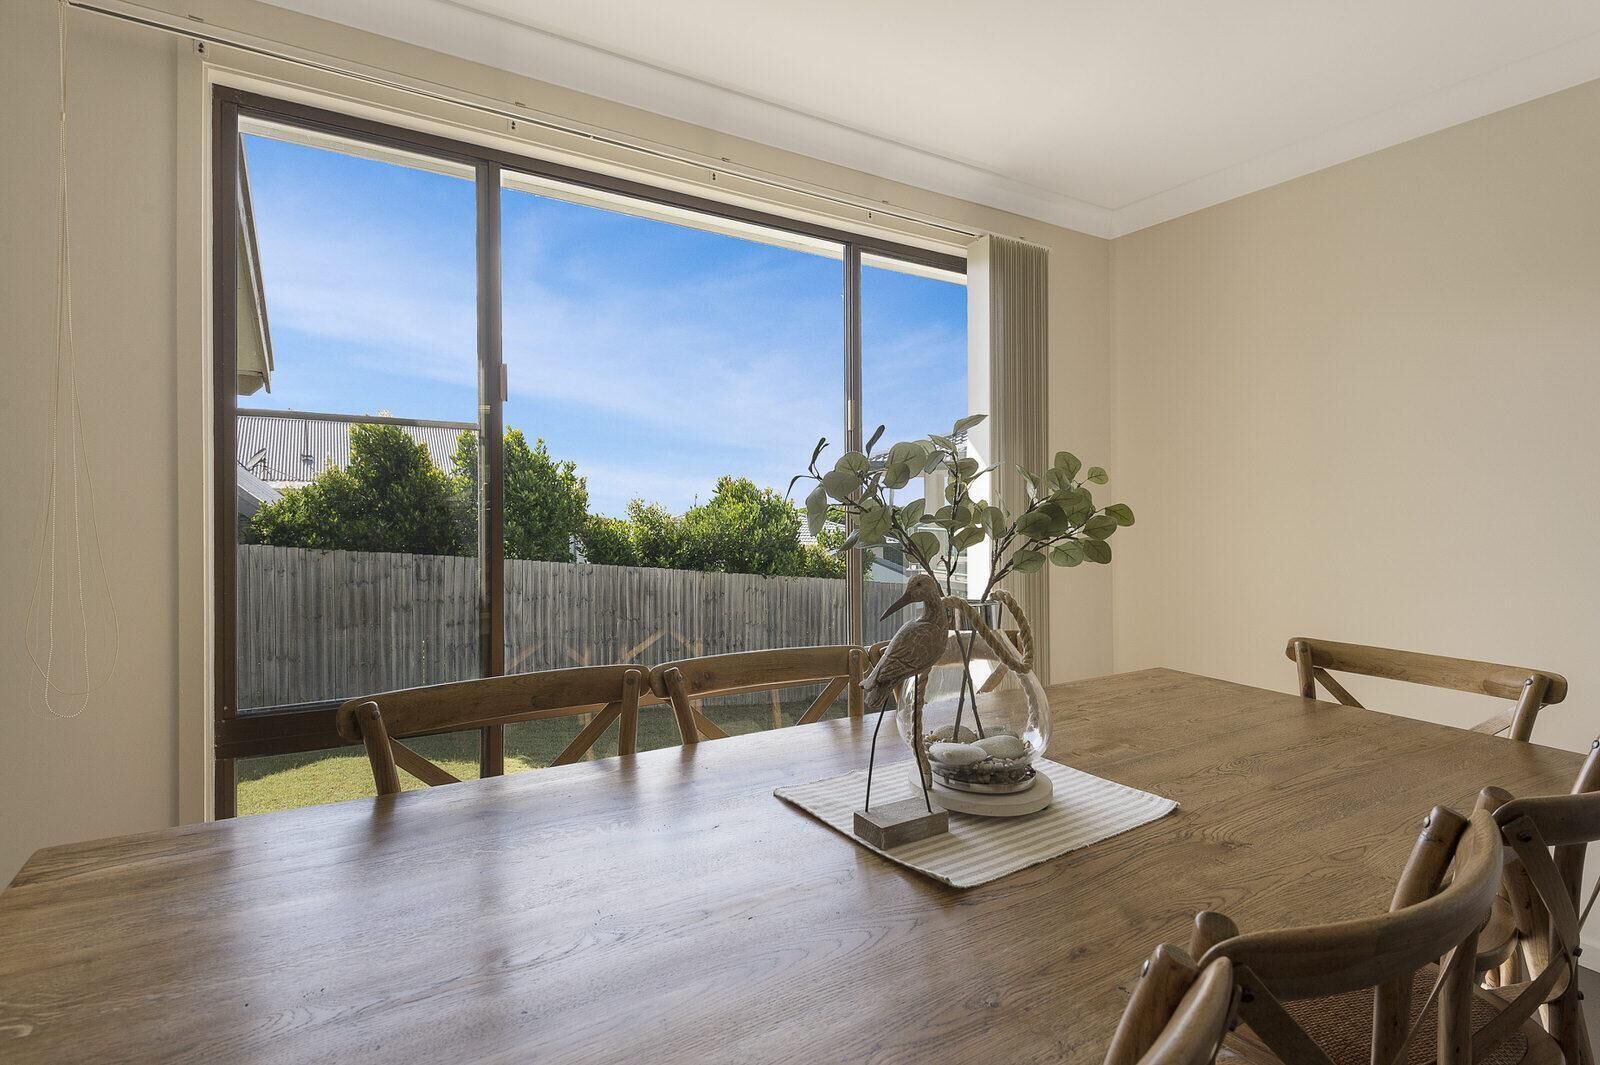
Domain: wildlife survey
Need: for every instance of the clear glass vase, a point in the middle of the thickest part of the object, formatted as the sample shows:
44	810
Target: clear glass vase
982	735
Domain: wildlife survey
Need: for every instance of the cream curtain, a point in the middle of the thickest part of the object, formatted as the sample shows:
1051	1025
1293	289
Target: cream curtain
1009	342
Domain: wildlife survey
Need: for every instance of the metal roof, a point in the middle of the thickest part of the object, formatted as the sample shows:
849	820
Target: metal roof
285	448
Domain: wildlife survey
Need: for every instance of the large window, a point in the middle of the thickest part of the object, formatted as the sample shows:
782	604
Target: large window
493	416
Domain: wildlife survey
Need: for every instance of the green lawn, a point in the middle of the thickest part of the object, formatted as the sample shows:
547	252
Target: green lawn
280	782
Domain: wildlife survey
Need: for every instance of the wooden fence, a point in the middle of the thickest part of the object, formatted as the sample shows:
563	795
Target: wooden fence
316	625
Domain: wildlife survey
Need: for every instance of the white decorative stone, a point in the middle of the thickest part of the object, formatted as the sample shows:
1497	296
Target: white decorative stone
1002	746
956	753
965	735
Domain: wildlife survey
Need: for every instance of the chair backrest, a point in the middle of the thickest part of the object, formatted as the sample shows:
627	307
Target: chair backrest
1549	835
685	682
1178	1013
1428	920
606	693
1530	689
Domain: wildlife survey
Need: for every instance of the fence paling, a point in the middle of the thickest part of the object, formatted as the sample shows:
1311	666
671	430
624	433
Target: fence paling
317	625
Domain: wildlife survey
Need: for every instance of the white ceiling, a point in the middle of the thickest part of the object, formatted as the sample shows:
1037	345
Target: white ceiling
1104	117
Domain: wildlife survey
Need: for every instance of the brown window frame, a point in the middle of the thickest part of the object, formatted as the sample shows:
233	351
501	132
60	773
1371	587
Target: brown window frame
309	726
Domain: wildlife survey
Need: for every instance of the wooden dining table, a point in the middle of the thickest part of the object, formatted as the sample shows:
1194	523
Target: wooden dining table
666	908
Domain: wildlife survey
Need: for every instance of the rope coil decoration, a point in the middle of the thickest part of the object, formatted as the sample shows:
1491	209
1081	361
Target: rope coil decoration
997	641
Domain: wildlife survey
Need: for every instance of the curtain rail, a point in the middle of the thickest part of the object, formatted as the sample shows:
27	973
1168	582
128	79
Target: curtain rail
195	29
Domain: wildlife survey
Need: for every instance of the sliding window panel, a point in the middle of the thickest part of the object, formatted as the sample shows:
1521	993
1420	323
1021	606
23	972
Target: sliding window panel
357	437
913	382
669	371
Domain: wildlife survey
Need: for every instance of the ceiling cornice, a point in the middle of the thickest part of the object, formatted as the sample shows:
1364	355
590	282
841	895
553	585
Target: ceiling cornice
1516	83
509	44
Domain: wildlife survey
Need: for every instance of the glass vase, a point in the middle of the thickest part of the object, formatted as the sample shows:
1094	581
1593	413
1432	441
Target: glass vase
984	722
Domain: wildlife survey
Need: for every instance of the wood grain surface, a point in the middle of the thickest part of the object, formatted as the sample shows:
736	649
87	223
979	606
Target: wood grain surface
667	908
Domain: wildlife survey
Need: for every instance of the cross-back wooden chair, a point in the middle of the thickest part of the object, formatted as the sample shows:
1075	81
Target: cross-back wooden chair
685	682
1531	690
1178	1013
1537	961
1375	989
380	722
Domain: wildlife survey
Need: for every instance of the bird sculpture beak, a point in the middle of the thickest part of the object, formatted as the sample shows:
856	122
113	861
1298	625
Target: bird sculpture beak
904	600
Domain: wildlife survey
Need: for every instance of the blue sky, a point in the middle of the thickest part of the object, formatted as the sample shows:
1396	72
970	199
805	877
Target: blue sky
655	356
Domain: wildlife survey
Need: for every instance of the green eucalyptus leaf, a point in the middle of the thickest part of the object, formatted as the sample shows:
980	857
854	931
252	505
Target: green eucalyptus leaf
943	441
927	542
1100	526
1068	554
1033	524
934	461
950	491
873	442
1068	463
816	509
995	520
818	451
1097	551
897	475
911	513
1028	561
963	424
967	468
1121	513
905	451
967	537
853	462
841	484
1098	475
849	541
1056	522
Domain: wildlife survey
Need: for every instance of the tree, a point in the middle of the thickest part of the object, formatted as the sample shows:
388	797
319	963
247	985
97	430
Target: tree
390	498
740	529
546	504
608	541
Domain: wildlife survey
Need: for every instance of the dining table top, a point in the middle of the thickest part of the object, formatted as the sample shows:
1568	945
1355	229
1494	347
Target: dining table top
667	908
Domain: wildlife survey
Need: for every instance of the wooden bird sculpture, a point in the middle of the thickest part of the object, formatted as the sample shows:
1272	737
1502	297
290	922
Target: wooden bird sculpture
912	652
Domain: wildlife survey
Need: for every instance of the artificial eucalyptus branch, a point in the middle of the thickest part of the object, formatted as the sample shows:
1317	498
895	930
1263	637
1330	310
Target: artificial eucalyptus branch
1060	525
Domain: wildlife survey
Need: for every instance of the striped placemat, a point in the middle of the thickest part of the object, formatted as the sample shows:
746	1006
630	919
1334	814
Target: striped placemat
1085	809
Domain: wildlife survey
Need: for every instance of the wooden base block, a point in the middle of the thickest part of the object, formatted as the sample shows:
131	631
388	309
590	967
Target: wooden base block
899	823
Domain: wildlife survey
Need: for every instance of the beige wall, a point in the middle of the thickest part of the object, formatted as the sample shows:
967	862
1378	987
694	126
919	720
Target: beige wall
113	769
117	768
1363	405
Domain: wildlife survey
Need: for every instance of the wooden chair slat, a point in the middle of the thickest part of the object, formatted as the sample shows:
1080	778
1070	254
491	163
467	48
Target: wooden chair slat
1336	689
820	705
588	734
422	768
708	728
